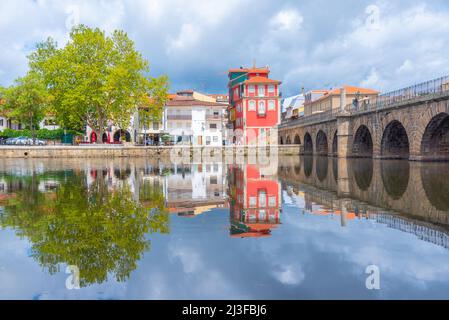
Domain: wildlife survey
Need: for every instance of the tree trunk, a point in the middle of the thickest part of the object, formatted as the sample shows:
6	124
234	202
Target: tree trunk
100	135
33	133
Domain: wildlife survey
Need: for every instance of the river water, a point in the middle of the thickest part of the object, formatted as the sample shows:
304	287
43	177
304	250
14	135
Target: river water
299	228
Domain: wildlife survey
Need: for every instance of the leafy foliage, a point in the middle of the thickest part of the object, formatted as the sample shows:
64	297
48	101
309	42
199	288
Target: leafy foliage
97	78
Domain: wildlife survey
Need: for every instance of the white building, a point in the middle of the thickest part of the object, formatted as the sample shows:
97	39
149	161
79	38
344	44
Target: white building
189	120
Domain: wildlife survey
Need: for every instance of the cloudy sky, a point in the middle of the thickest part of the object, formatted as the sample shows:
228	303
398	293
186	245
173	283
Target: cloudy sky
311	44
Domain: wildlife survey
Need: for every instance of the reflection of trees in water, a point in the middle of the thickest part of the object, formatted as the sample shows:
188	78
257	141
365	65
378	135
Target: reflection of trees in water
100	231
308	165
395	177
321	167
435	180
363	172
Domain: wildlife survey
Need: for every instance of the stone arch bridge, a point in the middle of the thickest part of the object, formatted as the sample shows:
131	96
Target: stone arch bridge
411	123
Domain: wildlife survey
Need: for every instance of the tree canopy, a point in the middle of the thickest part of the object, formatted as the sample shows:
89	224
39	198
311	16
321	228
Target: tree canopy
26	101
97	78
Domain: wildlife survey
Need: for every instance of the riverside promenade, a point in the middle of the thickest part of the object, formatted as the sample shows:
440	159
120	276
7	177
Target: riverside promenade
114	151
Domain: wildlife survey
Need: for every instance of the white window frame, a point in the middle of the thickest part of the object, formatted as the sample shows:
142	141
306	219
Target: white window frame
272	201
252	105
261	90
251	89
271	88
264	108
253	202
271	105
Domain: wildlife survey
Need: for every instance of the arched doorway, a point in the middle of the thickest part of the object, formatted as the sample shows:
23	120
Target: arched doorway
435	141
105	138
93	137
321	144
395	143
121	136
362	146
308	144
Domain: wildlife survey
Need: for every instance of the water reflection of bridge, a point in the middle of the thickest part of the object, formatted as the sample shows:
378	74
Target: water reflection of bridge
411	197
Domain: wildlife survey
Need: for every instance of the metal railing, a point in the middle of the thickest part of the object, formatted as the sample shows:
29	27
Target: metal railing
314	118
436	87
416	92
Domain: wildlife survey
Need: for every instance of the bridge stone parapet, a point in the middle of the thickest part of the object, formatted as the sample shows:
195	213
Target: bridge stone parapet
416	128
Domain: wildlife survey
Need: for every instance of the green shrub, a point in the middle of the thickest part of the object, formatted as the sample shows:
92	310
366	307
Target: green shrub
43	134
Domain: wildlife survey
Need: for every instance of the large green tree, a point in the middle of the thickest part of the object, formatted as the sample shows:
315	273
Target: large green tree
26	101
97	78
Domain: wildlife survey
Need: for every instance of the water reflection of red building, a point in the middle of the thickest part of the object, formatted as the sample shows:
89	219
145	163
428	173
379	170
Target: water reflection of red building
254	202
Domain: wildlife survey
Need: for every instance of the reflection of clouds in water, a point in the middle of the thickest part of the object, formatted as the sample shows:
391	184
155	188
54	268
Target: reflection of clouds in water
190	259
289	274
399	255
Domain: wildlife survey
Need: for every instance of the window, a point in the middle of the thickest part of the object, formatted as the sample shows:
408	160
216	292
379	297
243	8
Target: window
271	105
262	215
215	139
262	198
1	122
261	90
252	105
272	201
213	126
262	111
271	88
216	113
207	141
155	126
213	180
252	201
251	89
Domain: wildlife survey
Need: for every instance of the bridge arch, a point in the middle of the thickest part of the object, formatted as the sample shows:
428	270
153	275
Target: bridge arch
395	143
395	177
321	143
297	139
434	180
362	146
288	140
435	140
363	171
308	166
335	144
308	144
281	140
322	164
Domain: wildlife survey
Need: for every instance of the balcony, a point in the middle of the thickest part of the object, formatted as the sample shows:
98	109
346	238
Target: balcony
179	117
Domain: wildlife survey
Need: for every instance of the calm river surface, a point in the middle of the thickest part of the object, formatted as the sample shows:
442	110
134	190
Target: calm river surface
309	228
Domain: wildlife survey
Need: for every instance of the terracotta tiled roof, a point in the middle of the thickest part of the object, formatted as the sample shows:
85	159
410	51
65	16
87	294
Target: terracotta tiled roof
180	101
250	70
349	90
259	79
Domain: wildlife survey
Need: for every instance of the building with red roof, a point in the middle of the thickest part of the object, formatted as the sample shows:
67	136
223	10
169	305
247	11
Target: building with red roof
255	106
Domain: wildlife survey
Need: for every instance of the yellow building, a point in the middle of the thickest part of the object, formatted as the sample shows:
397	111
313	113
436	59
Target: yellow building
318	101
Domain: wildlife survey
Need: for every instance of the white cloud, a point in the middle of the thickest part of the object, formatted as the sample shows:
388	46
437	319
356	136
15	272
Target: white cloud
187	38
287	20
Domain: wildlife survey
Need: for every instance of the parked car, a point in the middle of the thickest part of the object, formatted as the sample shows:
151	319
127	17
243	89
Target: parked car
10	141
